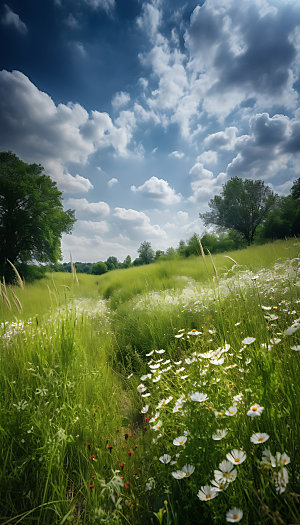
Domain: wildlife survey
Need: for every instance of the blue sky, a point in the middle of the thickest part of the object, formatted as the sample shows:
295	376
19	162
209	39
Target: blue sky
142	110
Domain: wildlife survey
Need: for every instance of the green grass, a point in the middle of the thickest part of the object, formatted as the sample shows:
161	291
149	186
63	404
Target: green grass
76	444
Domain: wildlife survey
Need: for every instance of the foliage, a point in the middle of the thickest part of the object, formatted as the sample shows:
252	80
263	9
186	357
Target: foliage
112	263
146	254
98	268
284	219
32	218
242	205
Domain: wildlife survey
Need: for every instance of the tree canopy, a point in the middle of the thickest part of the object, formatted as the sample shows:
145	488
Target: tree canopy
146	253
32	218
242	206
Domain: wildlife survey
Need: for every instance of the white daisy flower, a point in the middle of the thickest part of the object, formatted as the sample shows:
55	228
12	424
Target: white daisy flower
150	484
154	418
296	348
146	395
248	340
165	459
281	480
145	409
156	379
259	438
179	440
164	402
236	456
198	396
157	426
234	515
147	376
292	329
217	361
220	485
267	458
266	307
227	473
150	353
255	410
282	459
194	332
185	472
142	388
231	411
219	434
160	351
207	493
179	335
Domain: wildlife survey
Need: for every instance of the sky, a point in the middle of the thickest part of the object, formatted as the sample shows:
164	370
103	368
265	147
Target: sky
141	110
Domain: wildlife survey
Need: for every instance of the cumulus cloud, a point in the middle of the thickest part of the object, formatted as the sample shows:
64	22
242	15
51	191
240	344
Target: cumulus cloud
112	182
158	189
121	98
150	20
92	227
222	139
204	184
93	248
38	130
177	154
107	5
136	225
83	207
208	157
12	19
268	147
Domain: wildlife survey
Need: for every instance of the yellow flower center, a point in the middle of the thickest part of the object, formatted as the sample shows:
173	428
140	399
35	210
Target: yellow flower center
225	474
221	486
231	412
187	474
237	460
180	442
260	439
207	496
220	414
235	516
284	461
254	409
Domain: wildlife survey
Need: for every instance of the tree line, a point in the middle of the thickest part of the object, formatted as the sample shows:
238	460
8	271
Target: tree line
32	220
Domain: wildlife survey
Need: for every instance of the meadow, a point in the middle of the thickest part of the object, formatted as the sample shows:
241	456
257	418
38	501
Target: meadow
166	393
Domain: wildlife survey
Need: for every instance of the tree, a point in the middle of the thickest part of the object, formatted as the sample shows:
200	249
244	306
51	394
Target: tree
32	218
242	205
146	254
98	268
112	263
127	262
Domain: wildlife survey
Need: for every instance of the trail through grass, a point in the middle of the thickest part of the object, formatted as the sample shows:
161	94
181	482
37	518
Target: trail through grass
174	400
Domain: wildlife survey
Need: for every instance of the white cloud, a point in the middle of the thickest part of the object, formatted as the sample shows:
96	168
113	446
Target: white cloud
112	182
66	182
158	189
177	154
40	131
226	139
79	49
72	22
92	227
107	5
150	20
94	248
12	19
137	225
208	157
122	98
204	185
83	207
183	216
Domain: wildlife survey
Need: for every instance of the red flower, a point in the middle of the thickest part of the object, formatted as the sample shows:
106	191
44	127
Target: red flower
109	447
147	419
91	486
127	485
129	453
93	458
135	446
122	465
89	446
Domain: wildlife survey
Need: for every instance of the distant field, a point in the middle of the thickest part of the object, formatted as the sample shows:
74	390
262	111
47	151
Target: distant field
166	393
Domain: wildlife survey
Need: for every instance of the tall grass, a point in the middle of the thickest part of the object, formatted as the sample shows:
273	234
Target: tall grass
95	393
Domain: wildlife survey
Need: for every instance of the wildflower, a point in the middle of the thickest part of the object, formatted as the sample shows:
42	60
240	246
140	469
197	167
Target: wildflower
292	329
122	466
150	353
255	410
218	414
236	456
109	447
164	402
194	332
220	485
146	395
156	379
127	485
154	418
197	396
227	473
185	472
142	388
219	434
150	484
179	440
207	492
282	459
129	453
296	348
147	419
160	351
259	438
248	340
158	425
91	486
145	409
281	480
231	411
267	458
234	515
275	341
165	459
179	335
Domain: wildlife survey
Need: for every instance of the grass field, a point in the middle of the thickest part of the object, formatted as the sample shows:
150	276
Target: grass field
166	393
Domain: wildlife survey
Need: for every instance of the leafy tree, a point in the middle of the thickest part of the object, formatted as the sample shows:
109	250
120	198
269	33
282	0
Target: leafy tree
127	262
112	263
193	247
32	218
158	254
242	205
146	254
98	268
284	219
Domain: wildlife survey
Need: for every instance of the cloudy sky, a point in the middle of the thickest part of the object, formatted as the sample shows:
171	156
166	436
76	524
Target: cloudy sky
141	110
